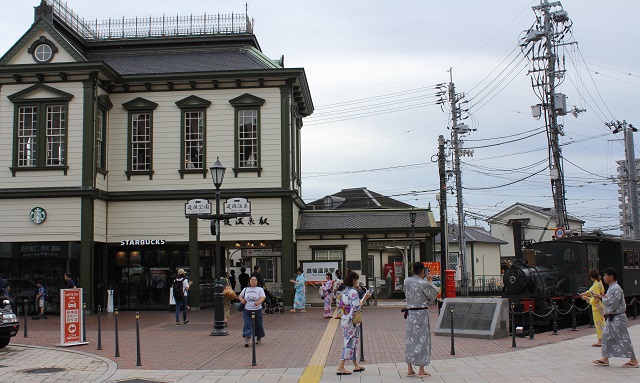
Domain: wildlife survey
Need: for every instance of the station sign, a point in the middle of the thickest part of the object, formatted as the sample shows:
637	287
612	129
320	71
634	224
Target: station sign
237	206
195	207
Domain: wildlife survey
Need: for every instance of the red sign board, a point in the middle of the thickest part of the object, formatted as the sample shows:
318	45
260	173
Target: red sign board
71	317
433	267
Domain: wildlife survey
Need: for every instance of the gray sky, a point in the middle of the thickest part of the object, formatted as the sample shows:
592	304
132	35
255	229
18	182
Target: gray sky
372	67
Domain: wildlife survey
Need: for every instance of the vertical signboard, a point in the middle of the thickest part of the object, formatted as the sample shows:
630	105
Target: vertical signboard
71	319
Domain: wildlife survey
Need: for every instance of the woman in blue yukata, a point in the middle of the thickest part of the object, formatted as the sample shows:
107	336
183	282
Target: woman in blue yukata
299	301
348	304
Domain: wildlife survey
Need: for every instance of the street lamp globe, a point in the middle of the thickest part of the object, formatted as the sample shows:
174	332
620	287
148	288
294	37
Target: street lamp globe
217	173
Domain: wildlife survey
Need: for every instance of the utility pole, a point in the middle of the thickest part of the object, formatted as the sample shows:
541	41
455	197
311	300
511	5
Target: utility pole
546	36
632	182
458	130
444	237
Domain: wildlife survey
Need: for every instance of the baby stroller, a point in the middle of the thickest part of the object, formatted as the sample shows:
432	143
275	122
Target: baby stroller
272	304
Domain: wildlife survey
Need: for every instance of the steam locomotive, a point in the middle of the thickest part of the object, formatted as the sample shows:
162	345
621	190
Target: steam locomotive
558	271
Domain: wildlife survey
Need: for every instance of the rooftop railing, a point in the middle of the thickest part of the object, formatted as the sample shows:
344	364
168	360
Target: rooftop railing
165	26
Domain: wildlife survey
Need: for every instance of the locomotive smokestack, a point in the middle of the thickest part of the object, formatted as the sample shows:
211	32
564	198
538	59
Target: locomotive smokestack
517	238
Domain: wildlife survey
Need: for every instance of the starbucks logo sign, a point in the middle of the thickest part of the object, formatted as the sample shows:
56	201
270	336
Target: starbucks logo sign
38	215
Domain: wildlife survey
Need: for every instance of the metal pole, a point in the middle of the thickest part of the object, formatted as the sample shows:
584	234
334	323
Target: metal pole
635	307
138	360
413	242
99	329
253	338
632	183
555	318
444	238
361	344
218	297
84	322
513	325
453	348
574	324
531	331
116	327
24	308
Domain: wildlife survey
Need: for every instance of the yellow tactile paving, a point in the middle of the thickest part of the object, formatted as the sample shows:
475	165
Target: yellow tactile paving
313	372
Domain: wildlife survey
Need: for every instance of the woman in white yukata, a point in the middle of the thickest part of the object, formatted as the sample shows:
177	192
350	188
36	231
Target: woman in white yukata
419	291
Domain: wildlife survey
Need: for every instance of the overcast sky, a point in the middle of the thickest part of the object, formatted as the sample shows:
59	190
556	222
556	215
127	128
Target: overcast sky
372	67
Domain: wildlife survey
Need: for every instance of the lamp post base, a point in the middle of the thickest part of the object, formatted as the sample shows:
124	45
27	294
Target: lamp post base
218	310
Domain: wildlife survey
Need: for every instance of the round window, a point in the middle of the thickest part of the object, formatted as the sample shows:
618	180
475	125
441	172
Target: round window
43	53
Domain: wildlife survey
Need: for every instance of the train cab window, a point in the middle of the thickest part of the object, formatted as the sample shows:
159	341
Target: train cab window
627	256
569	257
636	262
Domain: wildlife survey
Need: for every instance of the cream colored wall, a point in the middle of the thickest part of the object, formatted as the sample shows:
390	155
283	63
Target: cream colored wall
24	57
486	259
219	137
147	220
261	207
62	222
100	221
352	252
54	178
102	181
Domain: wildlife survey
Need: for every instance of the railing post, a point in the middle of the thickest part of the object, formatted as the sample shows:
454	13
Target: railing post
84	322
361	344
253	338
138	360
513	325
635	307
574	324
453	348
99	329
554	307
25	303
117	355
531	331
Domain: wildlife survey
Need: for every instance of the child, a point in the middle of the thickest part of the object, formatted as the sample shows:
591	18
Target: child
40	298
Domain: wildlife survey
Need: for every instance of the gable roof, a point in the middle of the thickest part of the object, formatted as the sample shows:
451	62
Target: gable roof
357	198
383	221
544	211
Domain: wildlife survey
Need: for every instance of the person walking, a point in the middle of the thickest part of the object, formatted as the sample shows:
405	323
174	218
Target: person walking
232	280
326	293
252	297
180	292
418	292
71	284
348	305
243	278
299	284
224	279
256	273
615	335
597	307
41	295
338	287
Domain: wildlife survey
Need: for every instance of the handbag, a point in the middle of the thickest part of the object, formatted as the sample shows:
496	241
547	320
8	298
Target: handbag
357	317
321	291
241	305
228	292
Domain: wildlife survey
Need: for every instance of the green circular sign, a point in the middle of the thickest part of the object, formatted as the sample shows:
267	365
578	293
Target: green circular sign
38	215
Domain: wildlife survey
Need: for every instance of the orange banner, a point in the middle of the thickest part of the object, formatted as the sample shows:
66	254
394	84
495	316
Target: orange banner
434	268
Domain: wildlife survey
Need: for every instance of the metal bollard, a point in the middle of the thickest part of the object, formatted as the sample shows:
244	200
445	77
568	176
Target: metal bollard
24	308
99	329
253	339
138	361
635	307
574	324
116	324
591	324
555	318
531	331
513	325
361	344
453	348
84	322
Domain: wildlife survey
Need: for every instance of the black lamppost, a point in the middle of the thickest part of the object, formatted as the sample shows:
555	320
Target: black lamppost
217	174
412	217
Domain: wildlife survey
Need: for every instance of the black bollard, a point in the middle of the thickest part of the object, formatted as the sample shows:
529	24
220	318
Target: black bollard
635	307
99	329
574	324
84	322
453	348
591	324
253	338
24	308
138	361
513	325
116	324
531	331
361	344
554	308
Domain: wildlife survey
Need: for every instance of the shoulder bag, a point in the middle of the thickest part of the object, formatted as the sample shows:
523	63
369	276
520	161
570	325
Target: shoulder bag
357	317
228	292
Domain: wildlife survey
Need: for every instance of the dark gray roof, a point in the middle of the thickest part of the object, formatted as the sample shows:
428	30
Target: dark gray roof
358	198
473	234
364	219
181	61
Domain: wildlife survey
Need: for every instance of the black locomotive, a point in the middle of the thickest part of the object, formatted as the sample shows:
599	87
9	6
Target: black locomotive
558	271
